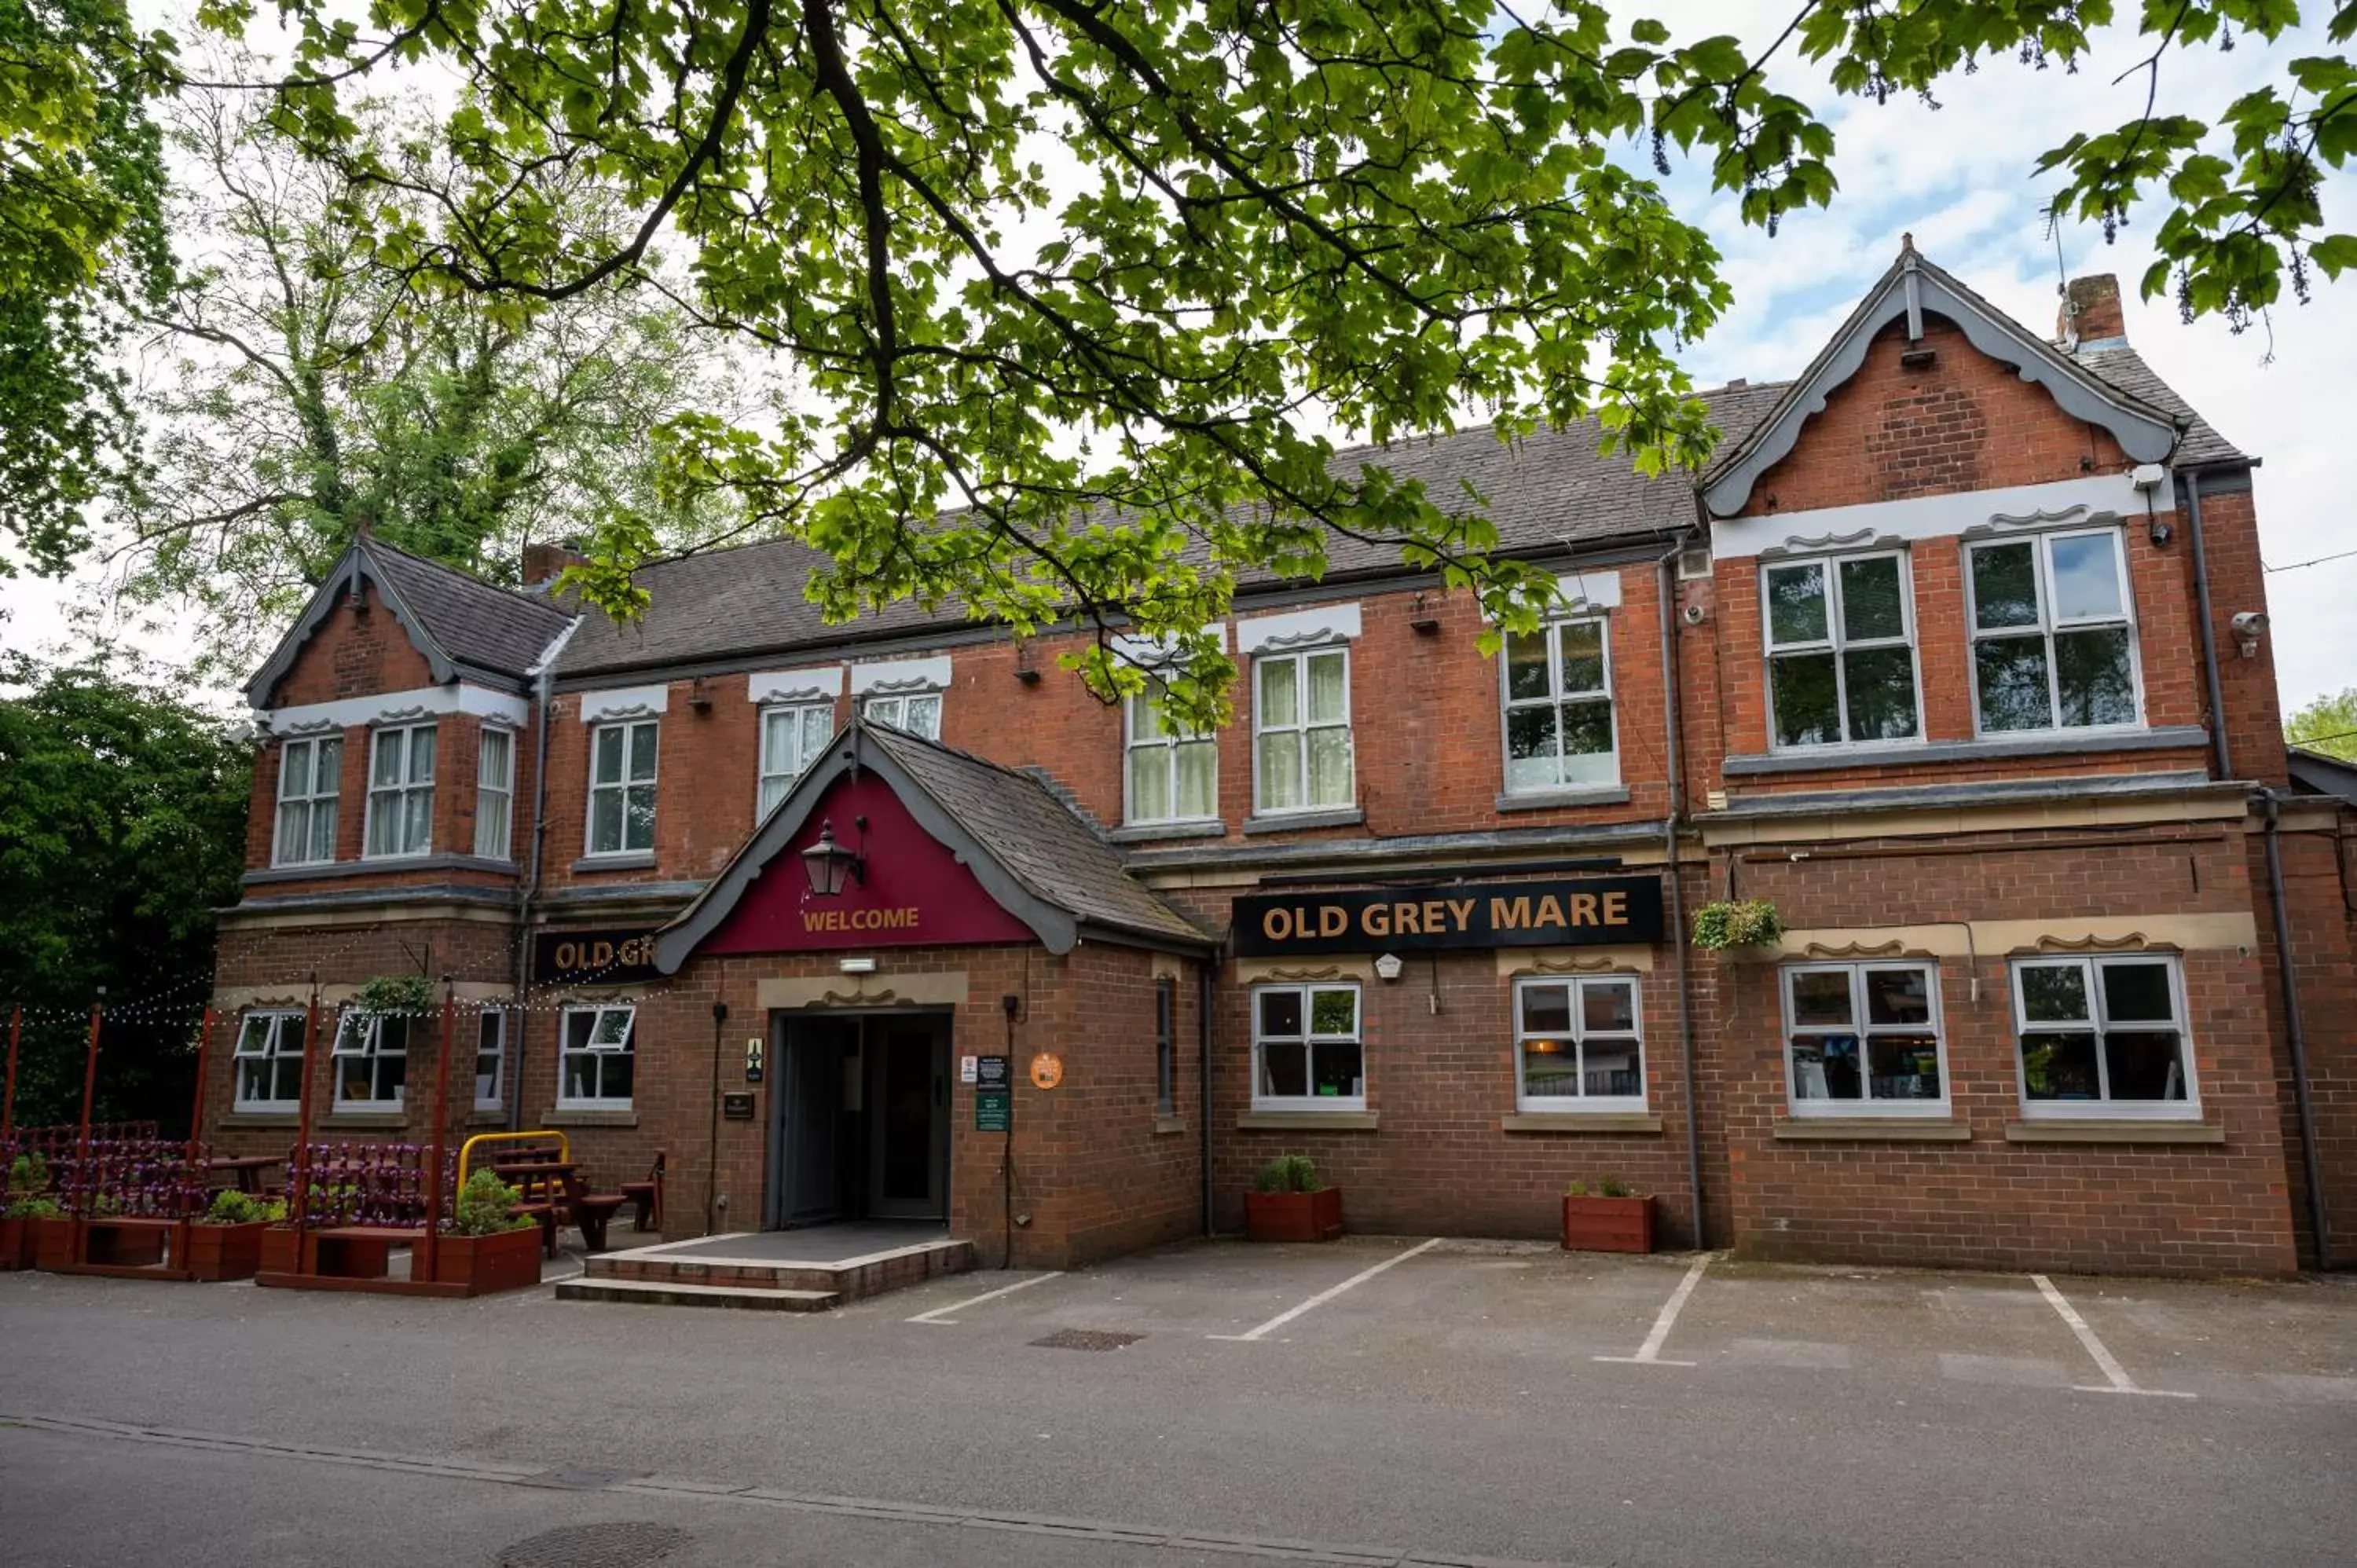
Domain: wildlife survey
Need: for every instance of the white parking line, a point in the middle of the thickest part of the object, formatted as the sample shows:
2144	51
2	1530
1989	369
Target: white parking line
935	1315
1649	1353
1323	1296
2109	1364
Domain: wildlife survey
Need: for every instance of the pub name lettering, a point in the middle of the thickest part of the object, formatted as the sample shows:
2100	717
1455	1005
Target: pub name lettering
1450	917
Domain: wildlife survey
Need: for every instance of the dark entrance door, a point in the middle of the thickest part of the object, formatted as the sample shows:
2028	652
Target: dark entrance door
908	1096
815	1057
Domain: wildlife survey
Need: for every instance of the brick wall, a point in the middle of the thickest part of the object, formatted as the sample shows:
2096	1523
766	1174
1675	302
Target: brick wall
353	653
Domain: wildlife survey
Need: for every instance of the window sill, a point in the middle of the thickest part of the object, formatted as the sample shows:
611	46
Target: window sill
1148	833
1545	799
636	860
1291	821
487	1116
365	1119
262	1119
1305	1122
2113	1131
590	1119
2044	743
1873	1129
1165	1125
319	870
1580	1122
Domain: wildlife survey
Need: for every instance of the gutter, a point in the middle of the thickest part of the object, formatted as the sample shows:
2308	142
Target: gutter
2221	758
2311	1162
1666	569
543	677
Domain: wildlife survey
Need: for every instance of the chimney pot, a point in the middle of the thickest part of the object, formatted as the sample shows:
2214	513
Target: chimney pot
2091	311
541	563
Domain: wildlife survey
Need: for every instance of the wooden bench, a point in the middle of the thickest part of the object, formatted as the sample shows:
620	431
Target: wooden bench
544	1213
360	1252
647	1196
123	1241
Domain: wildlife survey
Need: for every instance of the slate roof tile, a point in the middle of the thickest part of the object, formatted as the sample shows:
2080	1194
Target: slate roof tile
475	622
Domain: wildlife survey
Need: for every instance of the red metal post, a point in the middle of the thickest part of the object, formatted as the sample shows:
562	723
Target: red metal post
441	1126
8	1100
82	1142
197	1107
299	1179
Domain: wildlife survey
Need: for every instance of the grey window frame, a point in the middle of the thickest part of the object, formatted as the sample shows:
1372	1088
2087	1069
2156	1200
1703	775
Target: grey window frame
498	844
804	754
1581	1102
314	801
1558	699
567	1050
1862	1025
2041	543
283	1022
623	785
1299	659
2104	1107
1837	643
1164	753
1309	1038
399	793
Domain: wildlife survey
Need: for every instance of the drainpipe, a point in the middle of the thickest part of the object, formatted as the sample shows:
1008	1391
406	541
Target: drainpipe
712	1150
542	676
1667	571
2310	1160
2221	758
1203	1077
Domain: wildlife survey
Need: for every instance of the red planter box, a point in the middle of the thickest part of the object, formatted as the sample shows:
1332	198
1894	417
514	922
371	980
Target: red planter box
1607	1224
16	1245
53	1242
281	1251
219	1252
124	1246
1294	1215
508	1260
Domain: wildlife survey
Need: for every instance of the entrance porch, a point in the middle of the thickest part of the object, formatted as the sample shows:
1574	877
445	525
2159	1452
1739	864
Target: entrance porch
807	1270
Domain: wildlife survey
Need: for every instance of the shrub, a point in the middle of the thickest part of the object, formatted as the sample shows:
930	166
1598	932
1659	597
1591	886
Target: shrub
395	994
1745	923
1577	1190
1612	1187
487	1206
35	1208
230	1206
1289	1173
28	1175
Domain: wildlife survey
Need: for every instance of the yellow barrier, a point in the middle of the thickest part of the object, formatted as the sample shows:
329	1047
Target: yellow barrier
466	1149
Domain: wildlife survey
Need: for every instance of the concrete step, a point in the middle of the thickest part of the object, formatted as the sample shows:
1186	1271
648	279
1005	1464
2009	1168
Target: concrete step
664	1292
743	1269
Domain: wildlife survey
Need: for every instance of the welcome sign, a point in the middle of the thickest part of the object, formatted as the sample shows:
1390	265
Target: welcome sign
1591	911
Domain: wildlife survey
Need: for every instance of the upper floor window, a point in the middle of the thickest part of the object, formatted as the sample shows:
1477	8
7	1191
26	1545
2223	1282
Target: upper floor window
596	1059
495	793
1306	1055
792	739
1841	650
1301	731
2104	1036
2053	632
401	792
1174	775
270	1061
310	778
372	1054
1863	1039
1577	1045
1559	708
918	712
623	788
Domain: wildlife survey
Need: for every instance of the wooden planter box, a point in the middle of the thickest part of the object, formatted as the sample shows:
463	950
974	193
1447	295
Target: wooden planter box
126	1244
508	1260
16	1245
52	1242
219	1252
1607	1224
1294	1215
281	1251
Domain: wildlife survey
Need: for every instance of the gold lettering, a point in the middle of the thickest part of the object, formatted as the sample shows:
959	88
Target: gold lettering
1514	916
600	954
1375	920
1406	920
569	955
1582	908
1332	919
1616	908
1460	913
1550	912
1277	925
1435	918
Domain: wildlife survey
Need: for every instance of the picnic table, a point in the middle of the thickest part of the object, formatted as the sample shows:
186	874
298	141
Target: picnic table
553	1194
247	1168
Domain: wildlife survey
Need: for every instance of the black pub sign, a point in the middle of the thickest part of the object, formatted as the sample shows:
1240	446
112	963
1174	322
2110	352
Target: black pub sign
596	957
1591	911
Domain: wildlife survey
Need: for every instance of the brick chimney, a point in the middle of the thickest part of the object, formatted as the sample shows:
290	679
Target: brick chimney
544	562
2091	311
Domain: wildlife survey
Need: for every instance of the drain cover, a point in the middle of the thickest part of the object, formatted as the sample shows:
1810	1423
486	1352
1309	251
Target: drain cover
627	1545
1088	1339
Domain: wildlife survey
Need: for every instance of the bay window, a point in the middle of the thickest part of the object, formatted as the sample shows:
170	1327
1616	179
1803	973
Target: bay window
401	792
310	783
495	793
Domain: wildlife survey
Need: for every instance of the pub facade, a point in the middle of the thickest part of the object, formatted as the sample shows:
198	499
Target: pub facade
1956	658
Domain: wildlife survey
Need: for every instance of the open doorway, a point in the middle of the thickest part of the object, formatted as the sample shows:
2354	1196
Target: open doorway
860	1126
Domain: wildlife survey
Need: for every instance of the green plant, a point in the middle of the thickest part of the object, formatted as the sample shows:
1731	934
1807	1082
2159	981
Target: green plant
395	996
1577	1190
35	1208
1742	923
230	1206
1612	1187
28	1175
486	1208
1289	1173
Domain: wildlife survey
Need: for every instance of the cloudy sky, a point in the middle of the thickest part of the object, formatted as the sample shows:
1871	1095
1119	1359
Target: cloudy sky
1959	179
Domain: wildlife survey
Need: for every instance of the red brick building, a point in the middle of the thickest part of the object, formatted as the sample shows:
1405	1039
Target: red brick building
1957	656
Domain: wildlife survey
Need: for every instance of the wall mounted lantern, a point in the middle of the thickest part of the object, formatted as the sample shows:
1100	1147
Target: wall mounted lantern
831	865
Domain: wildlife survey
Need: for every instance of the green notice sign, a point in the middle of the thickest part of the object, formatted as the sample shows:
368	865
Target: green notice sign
993	1110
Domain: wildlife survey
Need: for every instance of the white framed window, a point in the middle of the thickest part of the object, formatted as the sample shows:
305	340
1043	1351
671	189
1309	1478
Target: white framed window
1558	697
2104	1036
1841	650
1166	1047
310	783
1578	1045
792	737
918	712
623	788
495	793
598	1051
1863	1039
490	1059
1301	731
372	1059
401	792
1306	1055
270	1061
2054	643
1172	776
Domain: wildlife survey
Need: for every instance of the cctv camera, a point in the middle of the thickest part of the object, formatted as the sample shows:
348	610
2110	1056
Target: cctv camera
1695	614
2250	623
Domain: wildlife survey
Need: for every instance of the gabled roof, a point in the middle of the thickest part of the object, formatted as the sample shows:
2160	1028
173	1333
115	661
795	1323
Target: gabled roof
1548	492
1912	288
2320	773
466	627
1041	864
